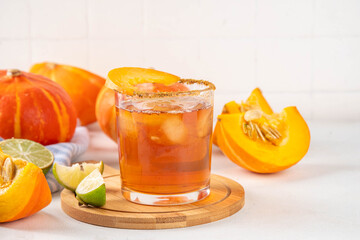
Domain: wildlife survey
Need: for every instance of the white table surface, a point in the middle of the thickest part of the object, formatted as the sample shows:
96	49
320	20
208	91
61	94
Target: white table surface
319	198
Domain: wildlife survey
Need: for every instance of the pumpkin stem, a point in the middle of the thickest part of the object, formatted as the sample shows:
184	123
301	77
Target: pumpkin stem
13	72
51	65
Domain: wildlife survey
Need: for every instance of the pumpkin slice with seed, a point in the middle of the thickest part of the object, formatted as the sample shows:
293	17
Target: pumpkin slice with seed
23	188
262	142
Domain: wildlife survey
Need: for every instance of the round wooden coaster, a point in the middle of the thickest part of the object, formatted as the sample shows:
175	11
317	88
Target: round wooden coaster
226	198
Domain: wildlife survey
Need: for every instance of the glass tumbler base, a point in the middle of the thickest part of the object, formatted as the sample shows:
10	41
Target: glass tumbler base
166	199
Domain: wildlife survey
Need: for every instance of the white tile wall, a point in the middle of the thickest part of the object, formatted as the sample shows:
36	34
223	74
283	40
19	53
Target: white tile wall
164	19
14	19
284	64
105	55
284	18
178	56
58	51
337	18
15	54
115	19
304	53
227	18
51	19
333	69
229	64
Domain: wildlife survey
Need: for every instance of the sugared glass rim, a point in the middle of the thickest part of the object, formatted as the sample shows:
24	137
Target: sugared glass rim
208	87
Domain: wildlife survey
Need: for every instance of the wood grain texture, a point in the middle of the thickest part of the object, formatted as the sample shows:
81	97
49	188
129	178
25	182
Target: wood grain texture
226	198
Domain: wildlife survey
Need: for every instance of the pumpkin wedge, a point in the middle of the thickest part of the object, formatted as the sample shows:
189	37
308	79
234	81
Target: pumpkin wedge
23	189
259	141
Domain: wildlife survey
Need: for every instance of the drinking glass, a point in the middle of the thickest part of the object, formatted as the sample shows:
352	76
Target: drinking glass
164	144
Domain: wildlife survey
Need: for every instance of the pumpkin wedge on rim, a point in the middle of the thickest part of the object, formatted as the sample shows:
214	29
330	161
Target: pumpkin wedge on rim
125	79
262	142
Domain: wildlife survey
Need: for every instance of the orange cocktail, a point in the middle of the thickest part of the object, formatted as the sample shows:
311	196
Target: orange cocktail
165	143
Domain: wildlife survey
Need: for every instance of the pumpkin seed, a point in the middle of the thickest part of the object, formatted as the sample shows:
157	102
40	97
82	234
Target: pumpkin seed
8	170
252	115
261	130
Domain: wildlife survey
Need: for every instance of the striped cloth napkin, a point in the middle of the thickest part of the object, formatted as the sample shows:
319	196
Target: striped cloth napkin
66	153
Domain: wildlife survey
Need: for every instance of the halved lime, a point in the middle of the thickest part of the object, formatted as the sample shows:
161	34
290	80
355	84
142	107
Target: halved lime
29	151
70	177
91	190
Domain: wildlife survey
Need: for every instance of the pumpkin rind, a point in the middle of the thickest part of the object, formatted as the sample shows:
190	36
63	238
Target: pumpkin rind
35	108
82	86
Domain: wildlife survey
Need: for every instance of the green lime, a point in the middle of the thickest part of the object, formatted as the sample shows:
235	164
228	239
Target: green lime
91	190
70	177
30	151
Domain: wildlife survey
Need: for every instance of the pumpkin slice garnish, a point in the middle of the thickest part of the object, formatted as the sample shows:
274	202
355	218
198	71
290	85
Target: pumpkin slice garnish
126	79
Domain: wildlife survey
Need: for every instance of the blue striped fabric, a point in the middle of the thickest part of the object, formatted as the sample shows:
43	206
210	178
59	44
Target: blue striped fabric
66	153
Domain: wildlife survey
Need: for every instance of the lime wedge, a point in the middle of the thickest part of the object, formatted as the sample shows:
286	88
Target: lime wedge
29	151
91	190
70	177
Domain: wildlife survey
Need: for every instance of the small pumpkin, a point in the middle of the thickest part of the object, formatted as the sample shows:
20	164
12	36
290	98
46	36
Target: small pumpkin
35	108
23	189
106	112
82	86
255	138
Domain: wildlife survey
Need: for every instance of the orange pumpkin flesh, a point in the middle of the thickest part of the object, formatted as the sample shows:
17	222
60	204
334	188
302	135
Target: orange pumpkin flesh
258	155
26	194
255	100
35	108
82	86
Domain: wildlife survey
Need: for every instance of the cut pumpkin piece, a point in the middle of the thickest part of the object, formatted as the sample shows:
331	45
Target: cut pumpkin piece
23	188
264	143
256	100
126	79
257	139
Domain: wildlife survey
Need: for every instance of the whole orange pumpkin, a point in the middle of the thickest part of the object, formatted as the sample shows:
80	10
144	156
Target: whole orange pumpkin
35	108
82	86
106	112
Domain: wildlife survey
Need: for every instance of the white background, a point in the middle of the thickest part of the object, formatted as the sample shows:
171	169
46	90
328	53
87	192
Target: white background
304	53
